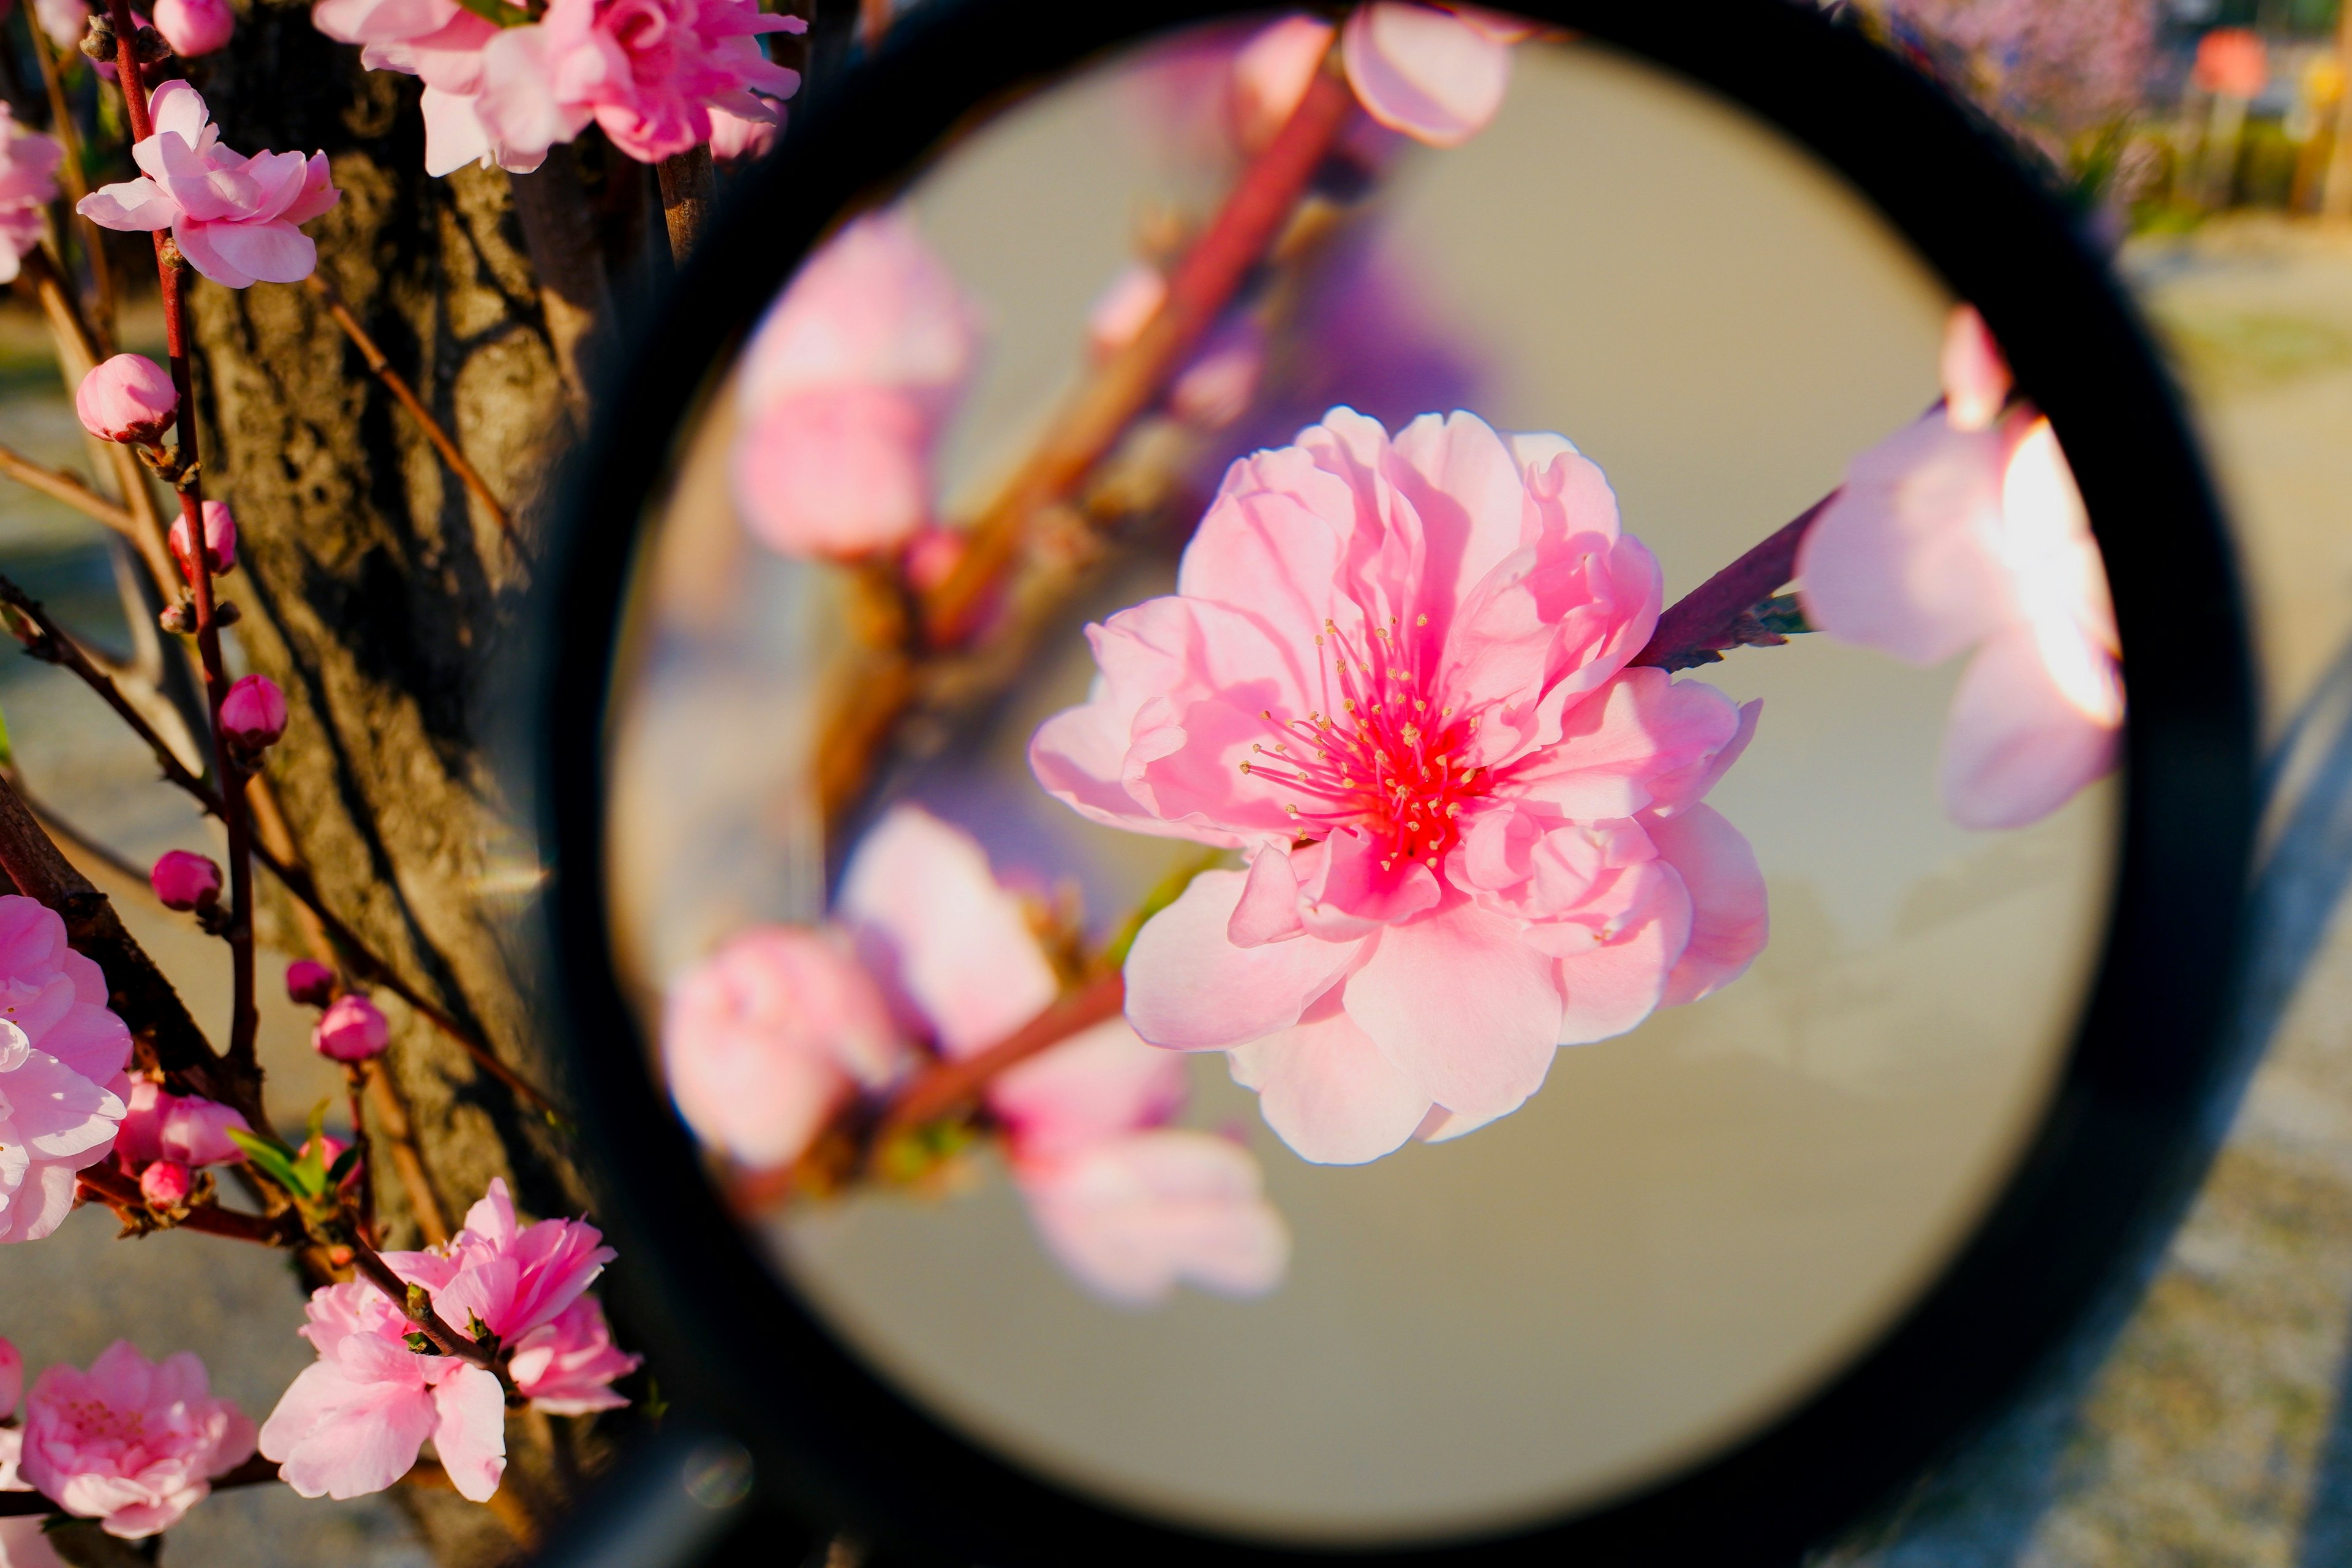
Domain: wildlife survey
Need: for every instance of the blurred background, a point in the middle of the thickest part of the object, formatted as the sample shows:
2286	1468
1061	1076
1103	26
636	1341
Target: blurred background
2210	144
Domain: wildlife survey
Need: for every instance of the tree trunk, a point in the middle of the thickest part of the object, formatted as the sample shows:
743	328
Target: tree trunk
383	600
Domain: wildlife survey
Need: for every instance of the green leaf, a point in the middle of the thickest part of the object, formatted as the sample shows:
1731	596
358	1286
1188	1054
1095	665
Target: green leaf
345	1163
7	752
499	12
271	1156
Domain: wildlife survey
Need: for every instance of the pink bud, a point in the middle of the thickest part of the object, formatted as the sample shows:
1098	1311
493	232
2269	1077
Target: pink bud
350	1030
128	398
165	1183
185	880
253	714
194	1130
12	1378
312	984
220	540
330	1149
195	26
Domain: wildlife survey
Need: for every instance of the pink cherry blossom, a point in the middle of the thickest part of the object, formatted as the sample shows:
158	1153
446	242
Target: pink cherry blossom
61	1058
734	139
352	1421
186	1128
648	72
1954	534
845	390
253	714
131	1443
220	540
765	1040
352	1029
195	28
1395	676
310	983
28	183
1437	73
233	217
128	397
185	880
1127	1206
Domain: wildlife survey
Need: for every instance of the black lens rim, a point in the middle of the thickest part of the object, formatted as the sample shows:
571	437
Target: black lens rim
2132	1120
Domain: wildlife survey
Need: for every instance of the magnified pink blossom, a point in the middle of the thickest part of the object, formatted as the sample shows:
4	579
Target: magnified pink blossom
131	1443
1950	535
648	72
232	217
220	540
1127	1206
28	183
845	390
352	1421
765	1040
253	714
61	1058
1437	73
1393	675
128	397
186	1128
310	984
185	880
352	1029
195	28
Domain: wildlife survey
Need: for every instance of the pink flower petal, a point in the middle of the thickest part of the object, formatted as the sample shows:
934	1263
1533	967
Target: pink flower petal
333	1437
2019	743
1465	1011
1328	1090
1131	1217
470	1431
1190	988
1424	71
1731	914
843	471
1103	1082
262	252
1613	984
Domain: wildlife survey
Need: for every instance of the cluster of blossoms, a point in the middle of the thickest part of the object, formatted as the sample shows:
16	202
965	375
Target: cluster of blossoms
28	183
658	76
131	1443
353	1421
191	28
934	959
166	1138
64	1092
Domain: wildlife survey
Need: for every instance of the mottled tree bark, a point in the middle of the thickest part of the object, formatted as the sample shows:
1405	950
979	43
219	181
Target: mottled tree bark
383	600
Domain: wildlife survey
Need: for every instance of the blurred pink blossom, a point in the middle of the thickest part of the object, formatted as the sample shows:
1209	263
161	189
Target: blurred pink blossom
845	390
310	983
127	397
61	1058
1951	535
734	138
765	1040
352	1421
220	540
232	217
131	1443
12	1378
188	1129
28	183
1394	674
352	1029
253	714
1437	73
184	879
2232	62
65	21
195	28
1128	1206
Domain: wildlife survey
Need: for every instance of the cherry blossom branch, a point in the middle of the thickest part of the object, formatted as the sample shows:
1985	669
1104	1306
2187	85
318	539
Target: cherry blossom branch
942	1088
109	1185
171	273
1722	613
1236	239
380	368
416	1304
355	1078
52	645
256	1472
59	485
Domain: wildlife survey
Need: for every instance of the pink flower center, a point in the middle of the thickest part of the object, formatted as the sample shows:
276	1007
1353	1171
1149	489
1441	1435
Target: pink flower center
92	1422
1388	765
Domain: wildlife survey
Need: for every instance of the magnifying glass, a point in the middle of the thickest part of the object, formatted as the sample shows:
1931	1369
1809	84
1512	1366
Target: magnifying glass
1400	784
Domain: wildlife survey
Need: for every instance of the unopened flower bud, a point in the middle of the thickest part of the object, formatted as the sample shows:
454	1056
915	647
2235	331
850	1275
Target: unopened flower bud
253	715
226	614
98	38
330	1149
311	984
220	540
195	26
179	620
149	46
127	398
350	1030
185	880
165	1183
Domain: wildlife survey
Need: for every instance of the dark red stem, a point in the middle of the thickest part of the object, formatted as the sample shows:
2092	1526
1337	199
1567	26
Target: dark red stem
1698	627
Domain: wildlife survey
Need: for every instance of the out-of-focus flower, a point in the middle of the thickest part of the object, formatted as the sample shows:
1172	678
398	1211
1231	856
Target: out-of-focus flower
734	139
195	28
352	1422
1952	534
648	72
131	1443
232	217
128	397
1127	1204
28	183
253	714
352	1029
310	983
61	1058
765	1040
220	540
1394	675
845	390
2232	62
65	21
1218	384
166	1183
12	1378
184	879
1437	73
185	1128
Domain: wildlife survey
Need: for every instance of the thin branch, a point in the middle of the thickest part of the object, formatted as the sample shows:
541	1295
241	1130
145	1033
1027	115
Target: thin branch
380	368
944	1087
1698	628
256	1472
689	181
416	1305
107	1183
68	135
59	485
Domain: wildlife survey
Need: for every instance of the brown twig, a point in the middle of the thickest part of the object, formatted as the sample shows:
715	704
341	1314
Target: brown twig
380	368
59	485
417	1306
108	1182
254	1472
688	179
355	1078
68	135
942	1088
1698	628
